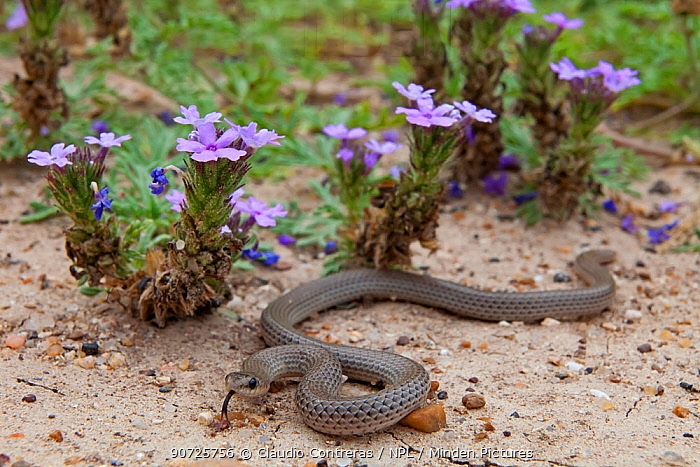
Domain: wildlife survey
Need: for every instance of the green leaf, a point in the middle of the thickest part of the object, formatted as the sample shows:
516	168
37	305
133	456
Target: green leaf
41	212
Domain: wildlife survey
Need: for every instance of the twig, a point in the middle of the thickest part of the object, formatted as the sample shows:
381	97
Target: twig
54	390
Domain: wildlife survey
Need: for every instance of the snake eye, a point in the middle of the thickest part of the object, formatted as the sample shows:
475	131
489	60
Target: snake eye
253	383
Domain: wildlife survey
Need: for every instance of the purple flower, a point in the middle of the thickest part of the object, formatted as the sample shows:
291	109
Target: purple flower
102	202
258	139
17	19
286	240
615	80
455	191
377	150
107	140
610	206
669	206
560	20
469	109
628	224
331	247
191	117
251	253
659	234
525	197
58	156
340	131
414	91
258	210
496	184
99	126
391	136
233	197
395	172
209	147
166	117
177	198
427	115
340	99
346	154
269	258
157	186
509	6
566	70
508	162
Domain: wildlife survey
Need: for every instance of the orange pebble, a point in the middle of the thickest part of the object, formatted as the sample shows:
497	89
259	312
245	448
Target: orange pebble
15	341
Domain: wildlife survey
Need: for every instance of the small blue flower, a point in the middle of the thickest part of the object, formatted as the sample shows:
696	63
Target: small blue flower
496	184
331	247
251	254
157	186
610	206
659	234
102	202
99	126
668	206
455	191
508	162
269	258
627	224
525	197
286	240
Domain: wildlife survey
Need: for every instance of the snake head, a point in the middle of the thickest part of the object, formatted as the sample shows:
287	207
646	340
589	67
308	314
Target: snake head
247	384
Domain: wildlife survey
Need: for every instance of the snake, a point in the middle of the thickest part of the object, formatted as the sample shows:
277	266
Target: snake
406	383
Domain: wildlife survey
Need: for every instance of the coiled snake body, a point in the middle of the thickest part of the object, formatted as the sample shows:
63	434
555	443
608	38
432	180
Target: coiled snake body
406	382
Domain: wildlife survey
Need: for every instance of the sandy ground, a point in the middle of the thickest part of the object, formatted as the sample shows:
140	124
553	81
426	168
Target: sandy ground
142	401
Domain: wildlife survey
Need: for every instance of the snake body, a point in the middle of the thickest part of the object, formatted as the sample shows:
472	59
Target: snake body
406	382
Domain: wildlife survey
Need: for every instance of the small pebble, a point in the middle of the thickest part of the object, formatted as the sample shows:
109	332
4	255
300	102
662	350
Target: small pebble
561	277
343	462
15	341
600	394
147	372
473	380
138	423
117	360
90	348
205	418
442	395
549	322
170	408
403	340
507	434
688	435
515	415
86	363
428	419
165	389
614	378
644	348
184	365
609	326
29	398
473	401
633	315
574	366
660	187
680	411
56	436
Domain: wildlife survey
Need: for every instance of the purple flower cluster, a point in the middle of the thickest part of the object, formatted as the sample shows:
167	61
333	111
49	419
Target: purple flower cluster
656	235
268	258
614	81
374	149
427	115
259	211
207	144
562	22
500	7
